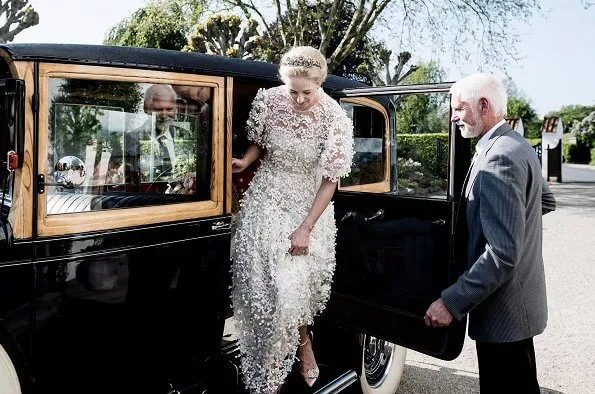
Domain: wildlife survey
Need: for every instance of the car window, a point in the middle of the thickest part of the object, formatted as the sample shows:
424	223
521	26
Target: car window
406	155
119	144
370	169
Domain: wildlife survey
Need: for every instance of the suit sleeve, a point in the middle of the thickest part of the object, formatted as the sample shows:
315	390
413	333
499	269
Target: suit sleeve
548	201
502	185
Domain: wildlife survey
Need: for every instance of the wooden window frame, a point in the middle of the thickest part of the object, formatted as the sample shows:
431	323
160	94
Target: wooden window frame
73	223
384	185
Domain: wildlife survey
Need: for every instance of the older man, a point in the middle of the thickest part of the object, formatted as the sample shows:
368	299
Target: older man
503	289
160	104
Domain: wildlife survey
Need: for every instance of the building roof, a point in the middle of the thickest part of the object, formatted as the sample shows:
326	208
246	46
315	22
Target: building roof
550	124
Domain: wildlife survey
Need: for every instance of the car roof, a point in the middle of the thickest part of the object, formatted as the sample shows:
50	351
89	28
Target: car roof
156	59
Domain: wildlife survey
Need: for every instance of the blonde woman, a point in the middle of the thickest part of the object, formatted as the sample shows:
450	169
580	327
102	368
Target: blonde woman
284	254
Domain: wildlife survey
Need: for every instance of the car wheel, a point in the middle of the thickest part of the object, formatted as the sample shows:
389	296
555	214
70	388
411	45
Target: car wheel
382	366
9	381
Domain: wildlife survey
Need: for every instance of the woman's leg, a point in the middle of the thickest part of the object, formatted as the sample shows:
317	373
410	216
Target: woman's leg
308	366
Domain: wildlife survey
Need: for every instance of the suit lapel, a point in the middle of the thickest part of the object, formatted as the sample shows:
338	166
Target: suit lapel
474	168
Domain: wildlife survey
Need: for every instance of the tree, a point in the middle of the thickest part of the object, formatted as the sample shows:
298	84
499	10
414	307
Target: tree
162	24
519	106
226	35
481	23
19	13
571	114
232	35
422	113
360	64
583	151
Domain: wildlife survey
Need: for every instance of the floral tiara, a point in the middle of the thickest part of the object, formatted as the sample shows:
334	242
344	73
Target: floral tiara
300	61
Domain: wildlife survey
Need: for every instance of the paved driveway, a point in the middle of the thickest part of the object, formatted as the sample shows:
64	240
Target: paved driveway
578	173
566	350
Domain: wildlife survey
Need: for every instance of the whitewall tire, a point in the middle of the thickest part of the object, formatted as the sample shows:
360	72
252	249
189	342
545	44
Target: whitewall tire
9	381
382	366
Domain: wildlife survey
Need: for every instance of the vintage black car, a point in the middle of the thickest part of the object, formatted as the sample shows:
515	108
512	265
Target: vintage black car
114	270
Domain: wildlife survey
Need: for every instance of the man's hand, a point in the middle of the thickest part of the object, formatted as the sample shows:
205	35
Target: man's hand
438	315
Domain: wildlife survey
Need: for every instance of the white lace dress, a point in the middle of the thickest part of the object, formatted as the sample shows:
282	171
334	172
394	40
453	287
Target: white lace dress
274	293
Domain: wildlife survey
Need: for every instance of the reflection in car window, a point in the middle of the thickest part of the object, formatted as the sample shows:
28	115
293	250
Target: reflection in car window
369	134
414	162
114	144
421	127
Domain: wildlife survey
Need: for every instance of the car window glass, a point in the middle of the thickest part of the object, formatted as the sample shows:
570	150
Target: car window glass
406	154
115	144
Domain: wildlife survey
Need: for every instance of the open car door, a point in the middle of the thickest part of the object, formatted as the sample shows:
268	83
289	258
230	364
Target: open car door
399	242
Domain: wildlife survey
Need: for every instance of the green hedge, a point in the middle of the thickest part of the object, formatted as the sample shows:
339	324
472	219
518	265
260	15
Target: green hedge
581	152
423	148
431	150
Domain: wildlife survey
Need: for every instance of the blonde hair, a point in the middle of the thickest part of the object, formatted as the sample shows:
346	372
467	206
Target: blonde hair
473	87
303	62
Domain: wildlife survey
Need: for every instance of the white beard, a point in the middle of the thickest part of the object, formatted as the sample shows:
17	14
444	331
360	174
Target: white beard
468	131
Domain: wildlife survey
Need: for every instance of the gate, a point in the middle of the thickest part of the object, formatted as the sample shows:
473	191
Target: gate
537	149
554	162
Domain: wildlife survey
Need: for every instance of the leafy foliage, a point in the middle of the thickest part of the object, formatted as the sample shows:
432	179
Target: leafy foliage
429	149
584	149
19	13
571	114
483	23
422	113
161	24
360	64
519	106
226	35
79	125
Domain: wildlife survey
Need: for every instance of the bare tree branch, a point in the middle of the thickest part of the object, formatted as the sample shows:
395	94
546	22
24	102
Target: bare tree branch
19	13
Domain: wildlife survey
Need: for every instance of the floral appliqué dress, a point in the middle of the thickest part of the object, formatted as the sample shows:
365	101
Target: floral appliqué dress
273	293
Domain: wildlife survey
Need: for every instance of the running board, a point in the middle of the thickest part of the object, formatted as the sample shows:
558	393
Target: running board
339	384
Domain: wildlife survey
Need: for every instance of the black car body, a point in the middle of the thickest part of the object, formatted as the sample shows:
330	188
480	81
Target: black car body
114	285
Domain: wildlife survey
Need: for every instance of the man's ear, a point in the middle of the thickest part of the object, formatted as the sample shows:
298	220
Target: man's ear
484	105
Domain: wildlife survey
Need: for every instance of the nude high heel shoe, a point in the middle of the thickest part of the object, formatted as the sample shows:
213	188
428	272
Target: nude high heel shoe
310	375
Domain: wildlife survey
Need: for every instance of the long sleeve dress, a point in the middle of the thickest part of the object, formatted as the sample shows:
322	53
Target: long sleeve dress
273	293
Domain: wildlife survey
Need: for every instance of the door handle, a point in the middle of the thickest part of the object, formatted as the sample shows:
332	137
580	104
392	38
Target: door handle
348	215
439	222
352	215
378	215
220	225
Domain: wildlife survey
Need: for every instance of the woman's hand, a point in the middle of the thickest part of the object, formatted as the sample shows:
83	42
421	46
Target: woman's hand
238	165
300	240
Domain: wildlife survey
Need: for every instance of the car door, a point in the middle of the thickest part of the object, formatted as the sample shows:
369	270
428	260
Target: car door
399	241
131	233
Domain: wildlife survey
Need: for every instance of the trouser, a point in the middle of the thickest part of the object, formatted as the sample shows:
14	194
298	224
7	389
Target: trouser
507	367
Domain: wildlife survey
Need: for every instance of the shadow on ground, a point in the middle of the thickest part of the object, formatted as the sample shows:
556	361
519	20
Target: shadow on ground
440	380
574	195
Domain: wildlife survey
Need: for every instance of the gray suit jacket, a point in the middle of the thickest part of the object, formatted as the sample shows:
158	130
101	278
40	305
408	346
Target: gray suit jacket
503	289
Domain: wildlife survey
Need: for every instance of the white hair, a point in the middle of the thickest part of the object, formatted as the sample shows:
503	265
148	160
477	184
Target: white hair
472	88
303	61
160	91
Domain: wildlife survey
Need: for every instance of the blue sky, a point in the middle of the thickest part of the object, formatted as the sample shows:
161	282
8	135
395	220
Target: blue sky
557	68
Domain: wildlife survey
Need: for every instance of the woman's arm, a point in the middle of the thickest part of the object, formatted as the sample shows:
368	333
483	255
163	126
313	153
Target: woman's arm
253	152
300	238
